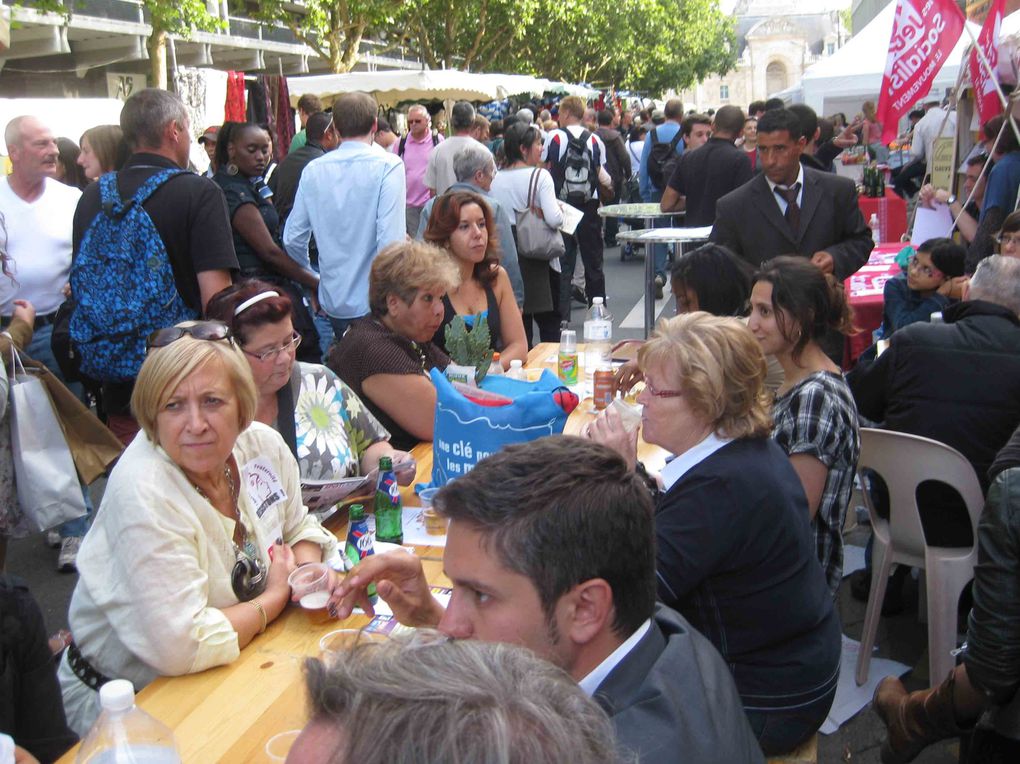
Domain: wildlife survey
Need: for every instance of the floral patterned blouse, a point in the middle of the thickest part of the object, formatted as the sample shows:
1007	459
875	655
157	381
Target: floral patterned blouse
333	427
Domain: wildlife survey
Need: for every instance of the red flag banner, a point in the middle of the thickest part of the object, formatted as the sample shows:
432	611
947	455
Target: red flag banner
986	95
924	33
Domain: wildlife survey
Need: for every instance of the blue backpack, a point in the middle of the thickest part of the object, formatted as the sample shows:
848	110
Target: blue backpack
123	284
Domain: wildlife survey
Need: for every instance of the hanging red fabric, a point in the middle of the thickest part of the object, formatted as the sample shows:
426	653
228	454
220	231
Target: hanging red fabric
284	119
234	109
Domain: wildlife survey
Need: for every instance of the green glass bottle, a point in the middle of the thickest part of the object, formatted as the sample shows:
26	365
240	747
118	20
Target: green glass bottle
389	512
359	542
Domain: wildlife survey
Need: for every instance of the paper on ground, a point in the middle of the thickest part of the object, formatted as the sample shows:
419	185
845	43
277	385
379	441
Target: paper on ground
853	559
931	223
849	697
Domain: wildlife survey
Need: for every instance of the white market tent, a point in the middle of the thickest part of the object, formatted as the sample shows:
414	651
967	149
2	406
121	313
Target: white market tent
852	75
393	87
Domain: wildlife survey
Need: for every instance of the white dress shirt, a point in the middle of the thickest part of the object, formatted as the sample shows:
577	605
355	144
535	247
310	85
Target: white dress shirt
779	199
597	676
690	459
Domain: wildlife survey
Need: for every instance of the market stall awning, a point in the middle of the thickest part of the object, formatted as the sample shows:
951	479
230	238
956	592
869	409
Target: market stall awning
391	88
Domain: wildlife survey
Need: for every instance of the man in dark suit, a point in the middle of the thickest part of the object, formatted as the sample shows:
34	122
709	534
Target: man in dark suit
550	545
789	209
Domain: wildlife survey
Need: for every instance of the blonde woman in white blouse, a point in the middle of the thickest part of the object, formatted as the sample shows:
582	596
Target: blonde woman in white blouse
522	145
201	524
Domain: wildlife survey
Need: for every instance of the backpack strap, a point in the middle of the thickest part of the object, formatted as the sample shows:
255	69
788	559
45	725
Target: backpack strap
435	138
400	148
655	135
676	140
112	202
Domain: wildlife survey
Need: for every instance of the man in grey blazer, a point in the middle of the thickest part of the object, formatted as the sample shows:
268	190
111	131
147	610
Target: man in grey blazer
550	545
789	209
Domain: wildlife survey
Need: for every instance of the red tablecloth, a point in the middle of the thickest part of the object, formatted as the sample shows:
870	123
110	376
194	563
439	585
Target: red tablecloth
891	211
865	289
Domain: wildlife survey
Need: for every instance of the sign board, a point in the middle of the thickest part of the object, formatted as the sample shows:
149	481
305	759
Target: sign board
121	85
942	163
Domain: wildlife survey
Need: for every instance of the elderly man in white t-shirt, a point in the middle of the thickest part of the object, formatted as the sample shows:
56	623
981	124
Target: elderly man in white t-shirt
37	215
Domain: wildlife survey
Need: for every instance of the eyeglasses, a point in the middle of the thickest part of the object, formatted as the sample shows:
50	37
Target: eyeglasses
661	393
927	270
1004	239
200	330
248	579
270	355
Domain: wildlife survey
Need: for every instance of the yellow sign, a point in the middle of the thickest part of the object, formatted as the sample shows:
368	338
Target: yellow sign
942	163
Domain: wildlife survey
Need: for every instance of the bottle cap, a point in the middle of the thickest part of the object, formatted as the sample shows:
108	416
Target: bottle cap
356	512
597	300
495	356
117	695
516	363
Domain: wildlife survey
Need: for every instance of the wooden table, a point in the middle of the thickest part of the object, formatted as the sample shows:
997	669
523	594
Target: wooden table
228	714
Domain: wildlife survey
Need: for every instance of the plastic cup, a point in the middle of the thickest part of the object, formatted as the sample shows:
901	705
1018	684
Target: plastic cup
279	745
426	496
310	584
340	640
434	524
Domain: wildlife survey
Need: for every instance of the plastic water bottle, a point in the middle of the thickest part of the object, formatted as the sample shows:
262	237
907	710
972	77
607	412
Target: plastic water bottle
516	370
496	367
598	337
876	234
125	734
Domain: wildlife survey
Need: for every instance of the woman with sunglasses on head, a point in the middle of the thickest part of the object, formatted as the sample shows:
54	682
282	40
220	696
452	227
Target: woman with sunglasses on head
330	431
734	551
243	154
794	305
201	523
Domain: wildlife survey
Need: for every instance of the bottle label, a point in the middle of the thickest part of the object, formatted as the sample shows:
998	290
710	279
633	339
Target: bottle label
597	331
567	367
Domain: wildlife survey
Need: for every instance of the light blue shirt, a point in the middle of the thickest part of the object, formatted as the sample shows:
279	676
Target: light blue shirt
352	199
664	133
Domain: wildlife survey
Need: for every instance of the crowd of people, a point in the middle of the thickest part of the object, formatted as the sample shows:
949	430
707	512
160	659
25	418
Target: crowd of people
267	324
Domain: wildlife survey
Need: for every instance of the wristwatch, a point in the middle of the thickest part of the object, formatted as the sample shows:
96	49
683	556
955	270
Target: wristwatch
951	199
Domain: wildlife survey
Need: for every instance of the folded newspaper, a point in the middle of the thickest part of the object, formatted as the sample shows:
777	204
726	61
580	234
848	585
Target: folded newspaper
318	495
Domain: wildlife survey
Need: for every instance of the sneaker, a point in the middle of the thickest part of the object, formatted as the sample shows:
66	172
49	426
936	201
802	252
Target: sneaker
660	282
53	539
68	554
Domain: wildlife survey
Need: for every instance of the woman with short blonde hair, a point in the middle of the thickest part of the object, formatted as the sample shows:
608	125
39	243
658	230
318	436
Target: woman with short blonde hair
735	553
385	358
200	526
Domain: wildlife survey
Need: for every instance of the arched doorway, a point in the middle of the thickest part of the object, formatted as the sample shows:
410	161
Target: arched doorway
775	78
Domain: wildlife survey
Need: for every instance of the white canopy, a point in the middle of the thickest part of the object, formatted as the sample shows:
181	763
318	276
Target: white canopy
392	87
853	74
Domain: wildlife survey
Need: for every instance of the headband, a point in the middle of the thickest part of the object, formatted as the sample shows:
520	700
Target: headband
253	300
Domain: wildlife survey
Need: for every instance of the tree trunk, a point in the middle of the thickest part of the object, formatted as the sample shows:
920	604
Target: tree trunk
156	45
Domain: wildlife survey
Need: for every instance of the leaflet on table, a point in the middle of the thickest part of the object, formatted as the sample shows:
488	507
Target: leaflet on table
385	623
676	234
320	494
571	218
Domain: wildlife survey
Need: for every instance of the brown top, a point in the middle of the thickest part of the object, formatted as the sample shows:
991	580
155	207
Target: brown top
369	348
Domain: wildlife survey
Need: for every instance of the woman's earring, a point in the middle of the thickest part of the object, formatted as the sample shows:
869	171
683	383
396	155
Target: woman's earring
231	168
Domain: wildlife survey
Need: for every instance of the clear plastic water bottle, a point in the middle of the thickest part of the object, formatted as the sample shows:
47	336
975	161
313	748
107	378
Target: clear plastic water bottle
598	337
125	734
496	367
516	370
876	234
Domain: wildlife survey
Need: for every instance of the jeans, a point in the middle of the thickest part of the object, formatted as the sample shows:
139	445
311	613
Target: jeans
588	239
782	730
340	325
39	350
325	329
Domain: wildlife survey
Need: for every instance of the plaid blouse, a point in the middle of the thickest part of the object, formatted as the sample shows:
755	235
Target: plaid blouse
818	417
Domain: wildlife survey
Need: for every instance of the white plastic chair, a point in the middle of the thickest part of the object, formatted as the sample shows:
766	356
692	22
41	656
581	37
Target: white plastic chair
904	461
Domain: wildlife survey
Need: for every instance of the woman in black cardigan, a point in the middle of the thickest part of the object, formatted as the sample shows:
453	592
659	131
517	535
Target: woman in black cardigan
734	549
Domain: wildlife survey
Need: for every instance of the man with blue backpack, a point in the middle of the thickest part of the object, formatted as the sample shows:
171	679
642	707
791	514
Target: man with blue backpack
152	243
574	156
663	146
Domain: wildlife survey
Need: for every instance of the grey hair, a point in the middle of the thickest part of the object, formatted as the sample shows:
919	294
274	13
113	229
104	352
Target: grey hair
462	116
457	702
471	159
997	279
147	113
418	107
527	116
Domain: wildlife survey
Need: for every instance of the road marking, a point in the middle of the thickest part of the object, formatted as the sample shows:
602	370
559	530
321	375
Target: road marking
636	318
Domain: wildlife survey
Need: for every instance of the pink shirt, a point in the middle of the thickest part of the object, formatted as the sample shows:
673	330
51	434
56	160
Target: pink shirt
416	160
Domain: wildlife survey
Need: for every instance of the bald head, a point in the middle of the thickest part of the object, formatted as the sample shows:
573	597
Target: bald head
32	149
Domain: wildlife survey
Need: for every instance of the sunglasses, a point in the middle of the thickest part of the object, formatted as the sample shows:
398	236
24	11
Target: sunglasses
249	577
200	330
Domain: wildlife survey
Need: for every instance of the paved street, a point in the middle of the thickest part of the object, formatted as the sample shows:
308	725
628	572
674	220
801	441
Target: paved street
900	638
